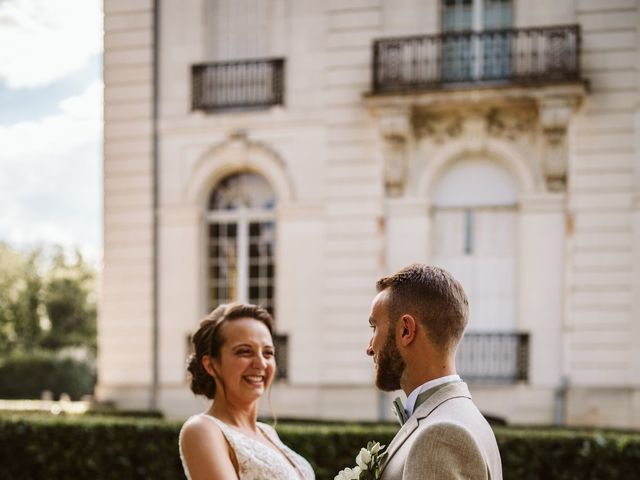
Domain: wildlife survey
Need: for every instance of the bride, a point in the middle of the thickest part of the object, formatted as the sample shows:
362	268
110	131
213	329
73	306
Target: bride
233	362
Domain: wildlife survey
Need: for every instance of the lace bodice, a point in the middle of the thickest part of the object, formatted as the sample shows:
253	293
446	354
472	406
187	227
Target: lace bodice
257	461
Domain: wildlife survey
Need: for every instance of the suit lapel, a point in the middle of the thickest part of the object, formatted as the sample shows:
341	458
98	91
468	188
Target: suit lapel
407	429
433	401
444	393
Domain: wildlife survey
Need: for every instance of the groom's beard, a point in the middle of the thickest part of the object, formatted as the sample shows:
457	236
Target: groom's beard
389	365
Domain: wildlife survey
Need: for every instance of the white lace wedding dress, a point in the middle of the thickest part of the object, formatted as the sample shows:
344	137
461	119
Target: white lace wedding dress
257	461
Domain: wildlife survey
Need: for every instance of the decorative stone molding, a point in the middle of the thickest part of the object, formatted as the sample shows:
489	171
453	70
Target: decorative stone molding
511	123
554	118
439	126
239	145
395	164
534	121
395	129
475	128
394	122
238	153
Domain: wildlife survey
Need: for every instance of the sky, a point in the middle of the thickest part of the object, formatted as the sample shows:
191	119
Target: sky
51	124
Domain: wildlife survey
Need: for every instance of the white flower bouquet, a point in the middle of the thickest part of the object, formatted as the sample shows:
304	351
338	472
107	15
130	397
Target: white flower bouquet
368	464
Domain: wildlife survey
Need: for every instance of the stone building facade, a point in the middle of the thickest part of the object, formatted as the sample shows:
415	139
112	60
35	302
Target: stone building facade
290	152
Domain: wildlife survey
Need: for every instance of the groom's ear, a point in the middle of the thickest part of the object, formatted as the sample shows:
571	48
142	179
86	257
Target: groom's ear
407	333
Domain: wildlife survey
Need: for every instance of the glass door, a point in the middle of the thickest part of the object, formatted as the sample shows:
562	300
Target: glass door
476	43
495	43
457	50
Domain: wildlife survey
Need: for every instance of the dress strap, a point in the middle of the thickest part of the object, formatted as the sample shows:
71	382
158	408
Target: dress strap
227	431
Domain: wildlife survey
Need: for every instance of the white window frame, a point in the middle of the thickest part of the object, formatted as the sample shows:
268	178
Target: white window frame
241	216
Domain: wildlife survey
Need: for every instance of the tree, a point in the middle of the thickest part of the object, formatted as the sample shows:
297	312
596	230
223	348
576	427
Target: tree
46	301
69	300
20	312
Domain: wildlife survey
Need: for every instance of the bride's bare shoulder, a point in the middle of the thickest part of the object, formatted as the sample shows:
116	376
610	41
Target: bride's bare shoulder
200	429
205	452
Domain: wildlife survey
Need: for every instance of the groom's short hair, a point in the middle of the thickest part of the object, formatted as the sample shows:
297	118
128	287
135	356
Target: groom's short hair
433	297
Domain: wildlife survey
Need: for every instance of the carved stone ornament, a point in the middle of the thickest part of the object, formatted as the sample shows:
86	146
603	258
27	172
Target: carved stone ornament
440	127
395	165
555	114
394	123
555	159
395	130
237	141
475	127
511	123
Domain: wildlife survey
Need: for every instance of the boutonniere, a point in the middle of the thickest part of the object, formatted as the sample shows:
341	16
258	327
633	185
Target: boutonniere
368	464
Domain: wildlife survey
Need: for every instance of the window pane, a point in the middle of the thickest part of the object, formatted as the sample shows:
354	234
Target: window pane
468	233
261	264
478	245
476	57
496	49
497	14
457	15
223	263
247	190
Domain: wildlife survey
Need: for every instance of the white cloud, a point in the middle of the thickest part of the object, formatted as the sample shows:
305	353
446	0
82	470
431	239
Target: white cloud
80	121
87	106
50	170
45	40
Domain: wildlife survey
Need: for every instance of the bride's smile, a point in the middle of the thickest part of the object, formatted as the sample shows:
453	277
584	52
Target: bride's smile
246	366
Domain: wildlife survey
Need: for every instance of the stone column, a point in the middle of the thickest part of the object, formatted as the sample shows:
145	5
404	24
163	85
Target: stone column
541	304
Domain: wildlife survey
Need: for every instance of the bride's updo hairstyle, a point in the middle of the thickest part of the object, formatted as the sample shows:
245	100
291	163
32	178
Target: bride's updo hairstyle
208	340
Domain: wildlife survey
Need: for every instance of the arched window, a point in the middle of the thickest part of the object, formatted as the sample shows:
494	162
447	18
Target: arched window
241	241
474	228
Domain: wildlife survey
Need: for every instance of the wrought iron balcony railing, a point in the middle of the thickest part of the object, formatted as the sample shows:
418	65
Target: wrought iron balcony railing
529	56
244	84
494	357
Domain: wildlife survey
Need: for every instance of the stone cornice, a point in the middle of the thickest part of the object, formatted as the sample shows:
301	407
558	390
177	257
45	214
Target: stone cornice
476	94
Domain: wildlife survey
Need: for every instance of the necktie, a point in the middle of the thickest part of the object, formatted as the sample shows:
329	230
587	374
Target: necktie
398	410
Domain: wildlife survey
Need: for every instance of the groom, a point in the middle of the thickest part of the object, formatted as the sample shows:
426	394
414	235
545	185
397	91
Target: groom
418	318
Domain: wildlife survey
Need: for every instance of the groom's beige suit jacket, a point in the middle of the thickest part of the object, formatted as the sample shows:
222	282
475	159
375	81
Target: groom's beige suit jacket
446	438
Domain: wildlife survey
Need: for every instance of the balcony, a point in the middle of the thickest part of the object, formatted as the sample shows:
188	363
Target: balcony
237	85
528	56
501	358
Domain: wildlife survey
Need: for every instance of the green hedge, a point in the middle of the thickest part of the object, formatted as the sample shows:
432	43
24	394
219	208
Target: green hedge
59	448
72	448
561	454
26	376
